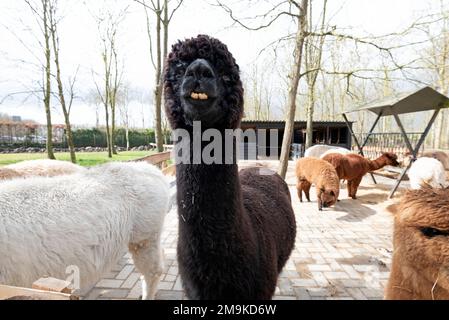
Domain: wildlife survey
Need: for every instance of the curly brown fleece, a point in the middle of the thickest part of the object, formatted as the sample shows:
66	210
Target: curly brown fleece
420	263
323	175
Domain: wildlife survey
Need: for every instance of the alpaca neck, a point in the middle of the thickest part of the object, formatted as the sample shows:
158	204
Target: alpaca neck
377	164
208	192
407	283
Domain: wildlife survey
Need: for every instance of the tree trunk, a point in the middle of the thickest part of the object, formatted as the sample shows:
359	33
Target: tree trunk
108	131
114	149
113	99
310	110
47	86
127	137
166	23
438	131
313	57
158	88
61	92
106	104
293	89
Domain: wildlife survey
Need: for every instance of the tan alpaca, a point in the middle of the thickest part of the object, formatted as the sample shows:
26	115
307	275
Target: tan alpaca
420	266
7	174
41	167
323	175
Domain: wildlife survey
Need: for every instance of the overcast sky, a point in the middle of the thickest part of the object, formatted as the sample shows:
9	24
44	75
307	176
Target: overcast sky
80	47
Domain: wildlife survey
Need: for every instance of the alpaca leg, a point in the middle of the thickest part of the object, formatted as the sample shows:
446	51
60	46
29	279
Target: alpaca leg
307	186
148	259
299	189
355	186
349	187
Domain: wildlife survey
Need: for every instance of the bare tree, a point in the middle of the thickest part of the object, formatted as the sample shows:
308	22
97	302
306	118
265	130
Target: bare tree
116	83
66	106
108	25
313	54
41	11
123	106
295	75
94	99
297	10
259	91
163	16
436	60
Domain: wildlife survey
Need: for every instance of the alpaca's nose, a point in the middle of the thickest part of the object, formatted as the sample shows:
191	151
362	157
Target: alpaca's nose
201	70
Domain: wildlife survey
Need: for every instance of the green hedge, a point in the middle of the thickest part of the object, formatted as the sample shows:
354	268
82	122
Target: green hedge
97	138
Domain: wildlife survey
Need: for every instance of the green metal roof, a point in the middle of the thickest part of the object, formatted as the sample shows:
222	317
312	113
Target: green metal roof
424	99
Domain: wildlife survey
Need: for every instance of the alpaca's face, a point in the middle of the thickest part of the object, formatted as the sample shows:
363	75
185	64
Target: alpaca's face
328	198
426	249
202	83
392	159
201	91
421	237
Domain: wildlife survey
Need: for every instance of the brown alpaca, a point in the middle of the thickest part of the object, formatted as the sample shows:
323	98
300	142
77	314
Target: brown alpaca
352	167
323	175
420	266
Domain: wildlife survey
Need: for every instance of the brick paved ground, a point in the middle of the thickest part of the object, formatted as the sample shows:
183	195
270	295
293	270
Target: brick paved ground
341	253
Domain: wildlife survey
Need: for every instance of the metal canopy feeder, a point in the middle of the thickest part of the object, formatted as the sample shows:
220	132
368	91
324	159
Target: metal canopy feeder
425	99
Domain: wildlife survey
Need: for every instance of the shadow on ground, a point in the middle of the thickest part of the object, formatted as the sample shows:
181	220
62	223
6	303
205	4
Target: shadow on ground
354	209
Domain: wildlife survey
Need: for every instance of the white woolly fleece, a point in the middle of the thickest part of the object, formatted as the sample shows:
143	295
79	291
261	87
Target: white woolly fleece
317	151
86	219
427	171
342	151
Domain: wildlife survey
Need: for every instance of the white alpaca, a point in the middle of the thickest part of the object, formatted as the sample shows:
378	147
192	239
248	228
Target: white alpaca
318	150
427	171
84	220
42	167
342	151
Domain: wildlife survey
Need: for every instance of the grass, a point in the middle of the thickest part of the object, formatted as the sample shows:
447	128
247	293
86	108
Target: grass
85	159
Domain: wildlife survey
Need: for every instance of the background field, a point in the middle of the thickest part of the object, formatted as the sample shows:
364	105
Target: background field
85	159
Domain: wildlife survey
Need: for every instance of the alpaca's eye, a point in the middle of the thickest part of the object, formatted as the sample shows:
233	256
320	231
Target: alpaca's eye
432	232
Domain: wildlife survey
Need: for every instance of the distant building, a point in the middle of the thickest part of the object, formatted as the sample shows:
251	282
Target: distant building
17	131
335	133
16	118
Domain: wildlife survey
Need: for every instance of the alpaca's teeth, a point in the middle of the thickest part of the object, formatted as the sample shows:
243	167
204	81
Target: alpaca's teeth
199	96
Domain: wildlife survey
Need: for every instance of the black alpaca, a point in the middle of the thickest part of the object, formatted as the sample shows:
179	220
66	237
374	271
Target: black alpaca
236	231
